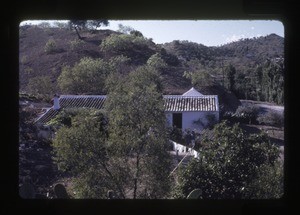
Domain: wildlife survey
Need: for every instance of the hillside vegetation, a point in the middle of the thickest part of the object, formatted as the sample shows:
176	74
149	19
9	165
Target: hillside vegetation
49	58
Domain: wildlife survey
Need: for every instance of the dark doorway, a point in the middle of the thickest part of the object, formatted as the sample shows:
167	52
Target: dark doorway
177	120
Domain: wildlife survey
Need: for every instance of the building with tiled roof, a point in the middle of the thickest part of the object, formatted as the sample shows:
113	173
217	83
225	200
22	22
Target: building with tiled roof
192	110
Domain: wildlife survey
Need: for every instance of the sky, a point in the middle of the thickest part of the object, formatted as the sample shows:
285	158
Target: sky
209	33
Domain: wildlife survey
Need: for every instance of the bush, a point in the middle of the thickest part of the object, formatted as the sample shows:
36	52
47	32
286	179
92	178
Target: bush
76	45
87	76
123	42
243	114
41	86
50	46
176	135
272	118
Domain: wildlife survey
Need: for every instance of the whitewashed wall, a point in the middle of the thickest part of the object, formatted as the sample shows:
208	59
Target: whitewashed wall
188	119
184	149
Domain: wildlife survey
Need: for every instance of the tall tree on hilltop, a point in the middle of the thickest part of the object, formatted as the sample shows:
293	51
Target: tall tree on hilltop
77	25
94	24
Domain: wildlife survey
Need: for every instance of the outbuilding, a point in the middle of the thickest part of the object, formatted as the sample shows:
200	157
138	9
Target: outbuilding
191	110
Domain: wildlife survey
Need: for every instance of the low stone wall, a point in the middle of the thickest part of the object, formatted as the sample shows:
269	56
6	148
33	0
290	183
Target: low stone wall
184	149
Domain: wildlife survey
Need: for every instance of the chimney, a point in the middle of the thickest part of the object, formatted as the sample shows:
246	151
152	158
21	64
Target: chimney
56	105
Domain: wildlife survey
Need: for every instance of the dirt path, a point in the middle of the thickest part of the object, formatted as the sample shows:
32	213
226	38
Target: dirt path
264	106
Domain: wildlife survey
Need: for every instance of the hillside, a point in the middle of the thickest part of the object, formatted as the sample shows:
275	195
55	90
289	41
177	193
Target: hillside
180	56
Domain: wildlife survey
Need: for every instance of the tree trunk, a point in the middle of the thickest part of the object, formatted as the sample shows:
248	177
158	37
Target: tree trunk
79	37
136	175
118	186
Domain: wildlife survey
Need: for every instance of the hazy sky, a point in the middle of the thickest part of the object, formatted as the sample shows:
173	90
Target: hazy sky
209	33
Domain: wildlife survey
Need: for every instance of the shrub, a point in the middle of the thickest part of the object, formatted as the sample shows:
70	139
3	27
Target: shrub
41	86
50	46
176	134
76	44
24	59
87	76
123	42
243	114
272	118
28	70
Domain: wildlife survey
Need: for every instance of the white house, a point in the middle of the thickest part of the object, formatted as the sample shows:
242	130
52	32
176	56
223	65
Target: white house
191	110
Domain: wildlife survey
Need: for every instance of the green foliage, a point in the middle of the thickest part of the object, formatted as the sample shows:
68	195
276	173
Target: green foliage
136	33
137	132
199	78
228	164
77	45
74	149
41	86
272	118
83	151
176	135
268	184
50	46
135	47
263	83
29	71
95	24
187	51
272	82
243	114
247	113
125	29
156	62
230	74
123	42
65	116
24	59
87	76
78	25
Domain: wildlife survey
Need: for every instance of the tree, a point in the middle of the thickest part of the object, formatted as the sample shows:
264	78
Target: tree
82	150
229	163
199	78
78	25
230	76
51	46
125	29
138	133
135	47
41	86
125	151
95	24
87	76
156	62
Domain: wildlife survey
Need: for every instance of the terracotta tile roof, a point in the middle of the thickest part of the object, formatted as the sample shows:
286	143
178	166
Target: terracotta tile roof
191	103
88	101
47	116
173	103
73	101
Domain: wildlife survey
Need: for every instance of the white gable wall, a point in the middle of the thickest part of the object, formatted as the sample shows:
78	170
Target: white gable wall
189	117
